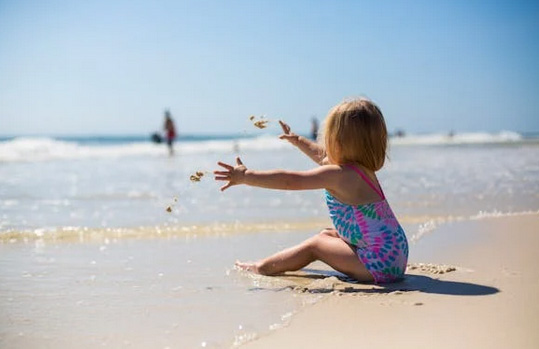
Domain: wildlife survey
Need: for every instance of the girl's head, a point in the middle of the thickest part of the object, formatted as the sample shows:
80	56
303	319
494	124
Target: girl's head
355	132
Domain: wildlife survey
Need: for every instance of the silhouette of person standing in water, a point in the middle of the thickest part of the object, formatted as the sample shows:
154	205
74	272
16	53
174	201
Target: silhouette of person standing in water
314	128
170	132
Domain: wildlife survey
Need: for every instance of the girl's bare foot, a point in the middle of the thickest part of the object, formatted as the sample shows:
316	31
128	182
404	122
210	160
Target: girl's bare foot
247	266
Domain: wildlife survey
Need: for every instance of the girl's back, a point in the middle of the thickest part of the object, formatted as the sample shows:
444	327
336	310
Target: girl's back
372	228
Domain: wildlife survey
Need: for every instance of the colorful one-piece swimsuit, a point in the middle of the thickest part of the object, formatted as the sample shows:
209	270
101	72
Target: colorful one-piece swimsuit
374	231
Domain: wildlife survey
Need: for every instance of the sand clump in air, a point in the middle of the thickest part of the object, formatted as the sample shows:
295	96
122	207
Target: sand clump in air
197	176
169	208
261	123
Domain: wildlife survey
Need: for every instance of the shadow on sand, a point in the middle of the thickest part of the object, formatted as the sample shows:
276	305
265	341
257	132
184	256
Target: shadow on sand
411	282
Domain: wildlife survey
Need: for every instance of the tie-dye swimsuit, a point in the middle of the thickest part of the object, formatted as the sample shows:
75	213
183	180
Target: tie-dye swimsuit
374	231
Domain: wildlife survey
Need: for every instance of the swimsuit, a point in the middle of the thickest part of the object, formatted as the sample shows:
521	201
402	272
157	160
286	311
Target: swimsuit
171	134
375	233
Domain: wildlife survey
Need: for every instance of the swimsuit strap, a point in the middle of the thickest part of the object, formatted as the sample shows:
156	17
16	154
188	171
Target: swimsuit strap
367	180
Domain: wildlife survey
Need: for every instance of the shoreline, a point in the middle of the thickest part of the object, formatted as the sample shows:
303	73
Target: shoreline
82	234
485	301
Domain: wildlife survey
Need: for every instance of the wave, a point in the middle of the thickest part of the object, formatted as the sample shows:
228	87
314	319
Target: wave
32	149
423	225
431	224
216	229
458	138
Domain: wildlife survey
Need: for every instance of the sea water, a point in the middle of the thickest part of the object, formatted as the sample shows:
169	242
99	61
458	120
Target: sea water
90	252
49	184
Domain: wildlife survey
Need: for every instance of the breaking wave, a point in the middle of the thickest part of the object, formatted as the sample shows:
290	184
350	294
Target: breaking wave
30	149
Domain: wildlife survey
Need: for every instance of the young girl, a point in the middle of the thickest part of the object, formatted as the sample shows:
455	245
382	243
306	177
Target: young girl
367	242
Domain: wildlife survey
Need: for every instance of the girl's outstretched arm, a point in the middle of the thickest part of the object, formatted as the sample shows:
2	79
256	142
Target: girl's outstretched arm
328	176
308	147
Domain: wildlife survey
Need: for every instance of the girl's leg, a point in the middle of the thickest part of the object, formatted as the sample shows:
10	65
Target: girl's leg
327	247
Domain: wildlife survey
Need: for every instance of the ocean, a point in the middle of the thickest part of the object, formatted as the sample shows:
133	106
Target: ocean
105	231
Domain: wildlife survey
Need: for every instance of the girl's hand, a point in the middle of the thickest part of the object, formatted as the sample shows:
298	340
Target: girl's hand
234	175
287	134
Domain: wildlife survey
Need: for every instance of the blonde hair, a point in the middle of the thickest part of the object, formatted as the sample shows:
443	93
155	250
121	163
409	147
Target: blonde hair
355	132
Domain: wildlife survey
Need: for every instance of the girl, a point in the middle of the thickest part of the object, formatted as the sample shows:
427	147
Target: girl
367	242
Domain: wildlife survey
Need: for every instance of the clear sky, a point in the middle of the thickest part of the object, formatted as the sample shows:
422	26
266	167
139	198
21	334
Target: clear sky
112	67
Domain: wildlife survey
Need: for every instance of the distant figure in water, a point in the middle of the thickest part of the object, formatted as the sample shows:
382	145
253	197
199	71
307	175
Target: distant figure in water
400	133
170	132
314	129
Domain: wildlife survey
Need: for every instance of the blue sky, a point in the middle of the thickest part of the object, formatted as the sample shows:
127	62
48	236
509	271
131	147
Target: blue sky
112	67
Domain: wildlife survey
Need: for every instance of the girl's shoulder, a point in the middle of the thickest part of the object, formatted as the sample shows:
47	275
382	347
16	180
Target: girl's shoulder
353	188
332	170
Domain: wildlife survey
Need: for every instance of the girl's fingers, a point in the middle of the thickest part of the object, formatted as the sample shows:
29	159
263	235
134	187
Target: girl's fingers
226	175
285	127
227	166
226	186
292	138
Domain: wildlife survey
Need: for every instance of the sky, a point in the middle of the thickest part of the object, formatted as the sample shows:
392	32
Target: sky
112	67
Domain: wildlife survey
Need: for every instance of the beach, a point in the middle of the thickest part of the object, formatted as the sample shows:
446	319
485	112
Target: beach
139	140
89	253
478	290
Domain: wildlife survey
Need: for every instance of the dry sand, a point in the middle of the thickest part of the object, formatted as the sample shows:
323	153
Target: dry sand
489	300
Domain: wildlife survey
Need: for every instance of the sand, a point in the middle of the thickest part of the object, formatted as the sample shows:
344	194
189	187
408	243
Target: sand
471	283
478	289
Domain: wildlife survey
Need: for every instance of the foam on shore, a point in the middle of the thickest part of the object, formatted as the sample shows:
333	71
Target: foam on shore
32	149
425	225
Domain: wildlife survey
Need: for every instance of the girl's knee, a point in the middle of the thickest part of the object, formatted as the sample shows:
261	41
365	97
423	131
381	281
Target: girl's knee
317	243
329	232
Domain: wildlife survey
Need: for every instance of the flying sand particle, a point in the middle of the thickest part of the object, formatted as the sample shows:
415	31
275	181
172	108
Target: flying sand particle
169	208
197	176
261	123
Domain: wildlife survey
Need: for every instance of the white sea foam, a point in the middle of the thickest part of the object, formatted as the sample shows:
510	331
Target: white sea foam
432	224
458	138
43	149
30	149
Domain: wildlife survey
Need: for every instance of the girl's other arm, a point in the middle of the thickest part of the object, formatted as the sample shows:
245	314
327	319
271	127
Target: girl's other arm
318	178
308	147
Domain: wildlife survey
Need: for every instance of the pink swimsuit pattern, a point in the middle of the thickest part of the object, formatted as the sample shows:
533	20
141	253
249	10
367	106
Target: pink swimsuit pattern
374	231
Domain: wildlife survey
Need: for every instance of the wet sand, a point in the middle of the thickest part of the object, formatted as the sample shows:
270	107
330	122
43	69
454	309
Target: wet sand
470	284
156	292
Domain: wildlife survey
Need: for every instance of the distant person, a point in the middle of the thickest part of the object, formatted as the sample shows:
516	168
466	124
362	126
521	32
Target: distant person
170	132
366	241
314	129
236	147
400	133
